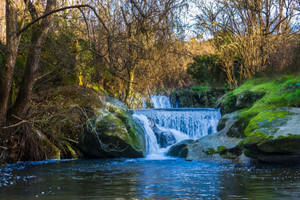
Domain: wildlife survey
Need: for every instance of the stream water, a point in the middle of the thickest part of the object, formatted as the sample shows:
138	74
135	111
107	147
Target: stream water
147	179
156	176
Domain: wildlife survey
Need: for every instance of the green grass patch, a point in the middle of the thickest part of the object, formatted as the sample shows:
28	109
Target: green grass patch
200	88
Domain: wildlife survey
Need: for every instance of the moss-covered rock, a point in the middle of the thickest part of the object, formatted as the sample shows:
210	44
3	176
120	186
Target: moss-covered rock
258	114
247	98
235	124
113	133
65	115
214	146
210	147
274	136
231	153
244	99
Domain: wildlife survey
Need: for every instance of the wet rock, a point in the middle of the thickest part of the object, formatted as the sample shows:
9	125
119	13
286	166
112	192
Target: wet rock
207	147
179	149
213	146
164	138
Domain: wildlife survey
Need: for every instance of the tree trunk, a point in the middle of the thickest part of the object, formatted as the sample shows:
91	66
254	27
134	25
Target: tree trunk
38	37
9	61
130	82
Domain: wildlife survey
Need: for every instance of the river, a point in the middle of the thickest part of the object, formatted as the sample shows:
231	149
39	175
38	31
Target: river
147	179
156	176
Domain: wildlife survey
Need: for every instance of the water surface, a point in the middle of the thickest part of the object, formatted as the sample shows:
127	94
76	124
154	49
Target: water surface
147	179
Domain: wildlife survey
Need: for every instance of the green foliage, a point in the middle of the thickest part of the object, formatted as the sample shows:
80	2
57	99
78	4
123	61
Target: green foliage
229	103
200	88
197	96
205	69
294	100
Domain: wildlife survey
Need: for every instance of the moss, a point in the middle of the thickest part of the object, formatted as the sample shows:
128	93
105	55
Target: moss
221	148
231	153
294	100
281	144
111	125
135	132
229	103
200	88
279	92
210	151
255	138
249	153
72	152
264	119
228	156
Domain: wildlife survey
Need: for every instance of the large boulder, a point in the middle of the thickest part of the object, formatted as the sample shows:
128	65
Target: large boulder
213	147
179	149
113	133
274	136
218	145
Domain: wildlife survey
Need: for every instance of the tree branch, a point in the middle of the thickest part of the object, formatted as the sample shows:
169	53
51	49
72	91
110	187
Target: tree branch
62	9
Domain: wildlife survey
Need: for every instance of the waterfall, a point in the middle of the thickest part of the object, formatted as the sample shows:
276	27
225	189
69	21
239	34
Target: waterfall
152	145
181	124
161	101
144	104
153	150
194	122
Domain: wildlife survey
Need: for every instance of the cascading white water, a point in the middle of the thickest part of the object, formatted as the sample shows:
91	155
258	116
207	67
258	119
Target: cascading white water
184	123
195	122
161	101
152	145
153	149
144	104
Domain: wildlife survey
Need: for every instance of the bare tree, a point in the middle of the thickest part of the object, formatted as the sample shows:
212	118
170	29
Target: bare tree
252	29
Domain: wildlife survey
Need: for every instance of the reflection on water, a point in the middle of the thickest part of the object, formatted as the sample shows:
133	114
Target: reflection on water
147	179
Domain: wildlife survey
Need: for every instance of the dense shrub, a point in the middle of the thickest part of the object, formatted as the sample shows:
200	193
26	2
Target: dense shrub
206	69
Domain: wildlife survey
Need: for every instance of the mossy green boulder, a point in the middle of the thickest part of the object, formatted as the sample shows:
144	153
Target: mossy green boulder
113	133
274	136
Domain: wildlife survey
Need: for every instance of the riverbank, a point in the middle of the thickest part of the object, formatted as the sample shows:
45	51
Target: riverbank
261	114
259	121
74	122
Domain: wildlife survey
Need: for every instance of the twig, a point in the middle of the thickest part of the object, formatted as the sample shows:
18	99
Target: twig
22	121
5	148
14	125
